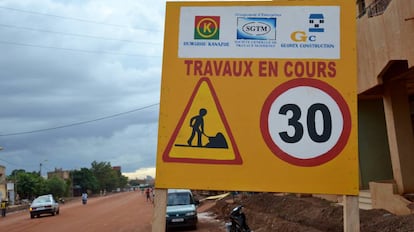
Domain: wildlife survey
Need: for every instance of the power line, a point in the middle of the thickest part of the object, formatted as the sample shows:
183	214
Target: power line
75	35
9	162
74	50
78	123
75	19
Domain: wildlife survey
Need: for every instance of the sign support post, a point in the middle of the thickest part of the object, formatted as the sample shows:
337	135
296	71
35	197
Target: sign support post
351	214
160	205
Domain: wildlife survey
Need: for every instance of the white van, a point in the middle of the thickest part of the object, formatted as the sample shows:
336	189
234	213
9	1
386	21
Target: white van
181	209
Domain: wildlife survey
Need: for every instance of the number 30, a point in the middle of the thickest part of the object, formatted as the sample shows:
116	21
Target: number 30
311	124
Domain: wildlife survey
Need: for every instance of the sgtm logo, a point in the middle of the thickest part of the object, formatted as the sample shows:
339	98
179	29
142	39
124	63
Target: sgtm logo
207	27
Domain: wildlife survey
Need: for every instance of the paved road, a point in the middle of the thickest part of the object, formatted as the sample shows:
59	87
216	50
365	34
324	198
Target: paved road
122	212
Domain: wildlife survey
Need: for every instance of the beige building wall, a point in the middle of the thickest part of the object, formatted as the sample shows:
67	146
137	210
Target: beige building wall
385	54
383	38
3	190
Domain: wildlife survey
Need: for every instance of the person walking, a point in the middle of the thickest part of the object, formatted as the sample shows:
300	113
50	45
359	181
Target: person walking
3	206
148	194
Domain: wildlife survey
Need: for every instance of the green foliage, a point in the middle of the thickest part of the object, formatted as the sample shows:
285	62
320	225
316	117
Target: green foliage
123	181
55	186
108	178
85	180
103	173
101	176
29	185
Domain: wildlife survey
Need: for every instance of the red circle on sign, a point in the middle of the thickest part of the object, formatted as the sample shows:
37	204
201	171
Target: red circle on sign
324	157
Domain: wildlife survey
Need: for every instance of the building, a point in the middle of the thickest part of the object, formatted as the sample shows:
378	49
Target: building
64	175
386	101
3	184
117	168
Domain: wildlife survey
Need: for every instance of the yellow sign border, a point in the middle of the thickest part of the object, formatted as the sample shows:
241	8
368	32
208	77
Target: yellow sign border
261	170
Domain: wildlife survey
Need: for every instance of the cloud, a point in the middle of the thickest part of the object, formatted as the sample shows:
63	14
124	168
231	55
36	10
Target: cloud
77	61
141	173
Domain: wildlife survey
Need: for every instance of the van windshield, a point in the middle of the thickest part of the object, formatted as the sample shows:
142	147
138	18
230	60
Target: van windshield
179	199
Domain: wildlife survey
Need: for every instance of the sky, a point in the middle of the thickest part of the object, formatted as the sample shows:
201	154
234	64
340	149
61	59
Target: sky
80	82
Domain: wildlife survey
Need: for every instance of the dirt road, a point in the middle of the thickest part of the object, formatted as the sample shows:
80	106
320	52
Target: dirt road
122	212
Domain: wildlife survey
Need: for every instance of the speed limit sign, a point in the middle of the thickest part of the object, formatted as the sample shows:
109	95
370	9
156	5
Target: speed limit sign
305	122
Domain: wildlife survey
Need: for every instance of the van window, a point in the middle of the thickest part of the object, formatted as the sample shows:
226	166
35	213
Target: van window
179	199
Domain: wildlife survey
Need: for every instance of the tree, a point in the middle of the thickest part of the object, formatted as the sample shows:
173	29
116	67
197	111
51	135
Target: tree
123	181
30	185
104	174
85	180
108	178
56	186
15	172
101	176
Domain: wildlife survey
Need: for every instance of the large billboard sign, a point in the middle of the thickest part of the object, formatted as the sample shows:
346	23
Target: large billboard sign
259	96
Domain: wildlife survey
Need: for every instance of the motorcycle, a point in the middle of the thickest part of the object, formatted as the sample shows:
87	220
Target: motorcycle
84	198
238	222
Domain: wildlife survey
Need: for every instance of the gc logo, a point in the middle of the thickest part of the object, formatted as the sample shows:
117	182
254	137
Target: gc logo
301	36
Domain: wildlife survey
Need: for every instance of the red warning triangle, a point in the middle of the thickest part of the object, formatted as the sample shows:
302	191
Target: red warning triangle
202	134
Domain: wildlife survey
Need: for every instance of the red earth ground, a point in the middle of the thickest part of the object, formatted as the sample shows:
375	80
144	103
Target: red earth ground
267	212
121	212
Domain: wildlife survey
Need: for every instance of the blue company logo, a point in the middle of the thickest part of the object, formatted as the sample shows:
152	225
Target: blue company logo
316	22
256	28
308	39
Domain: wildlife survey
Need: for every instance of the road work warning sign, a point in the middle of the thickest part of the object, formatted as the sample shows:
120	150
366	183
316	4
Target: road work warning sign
190	143
259	96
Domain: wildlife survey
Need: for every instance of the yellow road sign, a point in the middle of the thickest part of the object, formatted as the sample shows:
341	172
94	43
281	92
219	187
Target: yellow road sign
259	96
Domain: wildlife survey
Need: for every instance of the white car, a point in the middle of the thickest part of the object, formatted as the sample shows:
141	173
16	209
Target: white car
44	204
181	209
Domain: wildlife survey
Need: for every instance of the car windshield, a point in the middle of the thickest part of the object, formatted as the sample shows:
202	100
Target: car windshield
44	199
179	199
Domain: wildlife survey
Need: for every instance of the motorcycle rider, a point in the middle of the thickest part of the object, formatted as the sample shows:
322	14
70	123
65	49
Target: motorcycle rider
238	220
84	197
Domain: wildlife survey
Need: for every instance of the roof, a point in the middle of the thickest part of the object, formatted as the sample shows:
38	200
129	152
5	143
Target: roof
316	16
179	190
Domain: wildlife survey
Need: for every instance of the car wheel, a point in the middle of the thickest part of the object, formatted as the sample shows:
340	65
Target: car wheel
57	212
32	216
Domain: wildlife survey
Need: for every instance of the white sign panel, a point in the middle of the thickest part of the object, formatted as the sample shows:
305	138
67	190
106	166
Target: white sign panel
260	32
10	186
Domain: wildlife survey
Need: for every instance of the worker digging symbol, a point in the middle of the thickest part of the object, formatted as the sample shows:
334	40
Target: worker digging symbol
197	125
191	142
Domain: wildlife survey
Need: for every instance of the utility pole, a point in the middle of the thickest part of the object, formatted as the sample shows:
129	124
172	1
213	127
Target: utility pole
15	188
40	167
